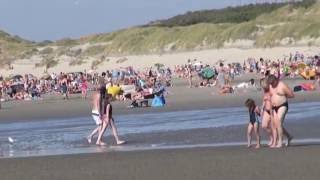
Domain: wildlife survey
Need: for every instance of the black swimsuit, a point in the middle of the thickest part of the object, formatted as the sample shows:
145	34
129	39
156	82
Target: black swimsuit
268	111
276	108
253	116
102	101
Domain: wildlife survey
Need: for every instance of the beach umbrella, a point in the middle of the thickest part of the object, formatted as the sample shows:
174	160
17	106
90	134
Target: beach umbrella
208	73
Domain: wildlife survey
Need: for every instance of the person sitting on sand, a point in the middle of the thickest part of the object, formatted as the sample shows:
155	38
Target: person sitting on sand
226	89
107	119
267	123
253	125
280	93
249	84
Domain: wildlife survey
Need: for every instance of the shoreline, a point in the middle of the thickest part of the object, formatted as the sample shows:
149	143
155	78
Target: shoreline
64	139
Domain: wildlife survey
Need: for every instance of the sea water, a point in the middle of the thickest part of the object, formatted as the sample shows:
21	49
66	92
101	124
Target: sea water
67	136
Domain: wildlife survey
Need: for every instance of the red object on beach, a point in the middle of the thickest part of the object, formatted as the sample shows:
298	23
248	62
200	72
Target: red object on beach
307	86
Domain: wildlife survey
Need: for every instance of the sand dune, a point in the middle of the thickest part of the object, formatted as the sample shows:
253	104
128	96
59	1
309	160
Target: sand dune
142	61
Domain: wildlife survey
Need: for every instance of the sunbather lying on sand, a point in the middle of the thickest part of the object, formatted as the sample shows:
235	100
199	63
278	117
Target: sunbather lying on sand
226	89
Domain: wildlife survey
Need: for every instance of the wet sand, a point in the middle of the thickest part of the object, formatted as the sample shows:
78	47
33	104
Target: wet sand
294	163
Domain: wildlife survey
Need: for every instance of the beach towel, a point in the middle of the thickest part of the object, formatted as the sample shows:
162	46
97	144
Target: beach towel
304	87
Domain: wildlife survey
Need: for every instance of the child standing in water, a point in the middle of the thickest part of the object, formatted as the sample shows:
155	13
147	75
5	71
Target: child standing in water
253	125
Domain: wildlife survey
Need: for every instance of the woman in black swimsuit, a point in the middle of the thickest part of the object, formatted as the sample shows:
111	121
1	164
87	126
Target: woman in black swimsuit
267	124
253	125
105	110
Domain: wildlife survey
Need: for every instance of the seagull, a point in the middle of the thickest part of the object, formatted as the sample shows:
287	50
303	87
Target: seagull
11	140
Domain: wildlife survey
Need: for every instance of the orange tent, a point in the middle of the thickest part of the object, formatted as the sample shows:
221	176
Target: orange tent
308	74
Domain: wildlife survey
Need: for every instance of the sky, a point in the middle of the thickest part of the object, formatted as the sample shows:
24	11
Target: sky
40	20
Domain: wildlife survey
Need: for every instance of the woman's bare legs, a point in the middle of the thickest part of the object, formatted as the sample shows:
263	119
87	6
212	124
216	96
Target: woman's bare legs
84	93
105	122
115	132
94	132
267	126
256	131
190	82
249	132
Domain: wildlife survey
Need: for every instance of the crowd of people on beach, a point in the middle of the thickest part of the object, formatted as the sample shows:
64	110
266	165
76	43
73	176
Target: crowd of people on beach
135	84
125	83
222	76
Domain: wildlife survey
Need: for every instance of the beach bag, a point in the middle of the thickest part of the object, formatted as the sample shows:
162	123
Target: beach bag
297	88
157	101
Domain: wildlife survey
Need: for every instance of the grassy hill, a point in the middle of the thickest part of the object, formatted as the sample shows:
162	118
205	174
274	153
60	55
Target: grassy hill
283	24
11	47
264	25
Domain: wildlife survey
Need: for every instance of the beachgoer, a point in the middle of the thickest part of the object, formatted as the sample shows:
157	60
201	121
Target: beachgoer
64	88
107	119
189	74
95	115
280	93
267	123
221	76
227	88
0	94
84	88
253	125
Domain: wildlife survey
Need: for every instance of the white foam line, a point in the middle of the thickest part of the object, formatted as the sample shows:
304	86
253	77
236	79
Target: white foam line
162	146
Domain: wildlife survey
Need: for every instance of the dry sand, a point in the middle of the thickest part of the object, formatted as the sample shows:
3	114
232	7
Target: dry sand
141	61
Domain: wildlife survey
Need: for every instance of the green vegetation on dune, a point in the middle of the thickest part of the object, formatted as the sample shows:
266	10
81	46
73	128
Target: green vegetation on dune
237	14
12	47
294	21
